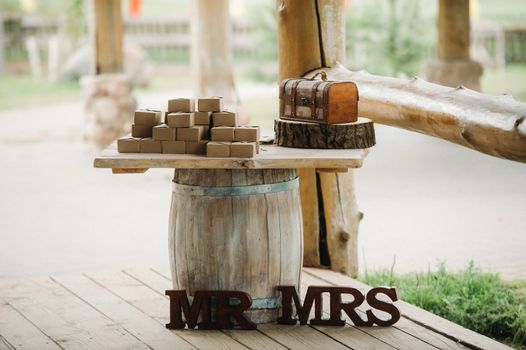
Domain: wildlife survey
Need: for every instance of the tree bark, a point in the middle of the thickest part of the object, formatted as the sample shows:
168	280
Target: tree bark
334	136
495	125
211	52
311	35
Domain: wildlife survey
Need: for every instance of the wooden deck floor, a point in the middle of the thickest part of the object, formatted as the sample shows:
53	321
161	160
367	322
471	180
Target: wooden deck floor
128	310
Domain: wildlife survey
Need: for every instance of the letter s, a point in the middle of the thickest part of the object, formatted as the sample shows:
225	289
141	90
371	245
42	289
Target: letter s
383	306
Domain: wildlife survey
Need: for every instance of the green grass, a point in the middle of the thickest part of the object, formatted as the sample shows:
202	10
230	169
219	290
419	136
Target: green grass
471	298
22	91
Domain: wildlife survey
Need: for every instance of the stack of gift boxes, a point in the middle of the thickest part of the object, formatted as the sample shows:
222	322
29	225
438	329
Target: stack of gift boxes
182	129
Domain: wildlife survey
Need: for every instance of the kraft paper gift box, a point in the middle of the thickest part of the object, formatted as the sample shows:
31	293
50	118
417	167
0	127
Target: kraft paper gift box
243	149
128	145
163	133
196	147
173	147
247	134
222	133
210	104
141	131
181	105
225	118
218	149
202	118
180	120
195	133
147	117
149	145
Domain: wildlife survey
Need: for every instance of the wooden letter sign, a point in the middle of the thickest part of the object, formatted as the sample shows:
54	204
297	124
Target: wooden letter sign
223	309
314	297
230	304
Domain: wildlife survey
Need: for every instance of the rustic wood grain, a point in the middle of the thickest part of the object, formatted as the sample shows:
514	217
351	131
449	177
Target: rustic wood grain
312	34
325	136
249	243
270	157
495	125
65	318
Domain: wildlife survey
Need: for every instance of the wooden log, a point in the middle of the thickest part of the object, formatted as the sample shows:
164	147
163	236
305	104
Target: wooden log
453	29
237	230
334	136
211	51
312	34
106	36
494	125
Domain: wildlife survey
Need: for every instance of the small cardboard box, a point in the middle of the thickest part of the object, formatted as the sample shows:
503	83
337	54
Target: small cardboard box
163	133
218	149
210	104
202	118
181	105
225	119
141	131
243	149
196	147
128	145
222	133
173	147
180	120
195	133
246	133
147	117
149	145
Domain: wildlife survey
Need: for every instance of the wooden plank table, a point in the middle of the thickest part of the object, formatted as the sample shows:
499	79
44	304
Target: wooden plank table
128	310
270	157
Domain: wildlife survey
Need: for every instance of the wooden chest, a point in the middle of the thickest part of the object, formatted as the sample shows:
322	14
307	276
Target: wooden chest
318	101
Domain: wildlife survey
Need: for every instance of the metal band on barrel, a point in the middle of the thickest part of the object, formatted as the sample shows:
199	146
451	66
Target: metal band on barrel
235	190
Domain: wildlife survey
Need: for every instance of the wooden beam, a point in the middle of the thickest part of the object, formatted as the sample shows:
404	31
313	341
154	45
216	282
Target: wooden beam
312	34
106	36
453	29
495	125
211	52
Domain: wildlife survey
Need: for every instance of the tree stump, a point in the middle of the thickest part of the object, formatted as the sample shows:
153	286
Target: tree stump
334	136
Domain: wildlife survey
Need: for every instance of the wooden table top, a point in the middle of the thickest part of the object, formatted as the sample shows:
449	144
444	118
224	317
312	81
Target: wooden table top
270	157
128	310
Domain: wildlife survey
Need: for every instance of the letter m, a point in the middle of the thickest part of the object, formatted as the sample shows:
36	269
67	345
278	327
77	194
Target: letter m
180	305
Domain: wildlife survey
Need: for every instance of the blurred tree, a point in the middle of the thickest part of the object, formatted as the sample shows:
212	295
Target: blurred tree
389	37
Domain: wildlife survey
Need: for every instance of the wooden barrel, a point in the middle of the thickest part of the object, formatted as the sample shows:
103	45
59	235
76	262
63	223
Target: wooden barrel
237	230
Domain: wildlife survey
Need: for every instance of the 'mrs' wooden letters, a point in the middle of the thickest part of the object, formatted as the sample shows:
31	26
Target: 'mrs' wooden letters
225	309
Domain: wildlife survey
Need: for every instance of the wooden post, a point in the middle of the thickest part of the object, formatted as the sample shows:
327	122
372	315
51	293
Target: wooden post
453	29
211	52
454	67
108	102
311	35
106	34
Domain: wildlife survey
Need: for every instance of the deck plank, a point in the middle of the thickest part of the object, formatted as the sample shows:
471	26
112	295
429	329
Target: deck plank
434	323
300	337
66	319
402	333
145	328
156	305
20	333
160	282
